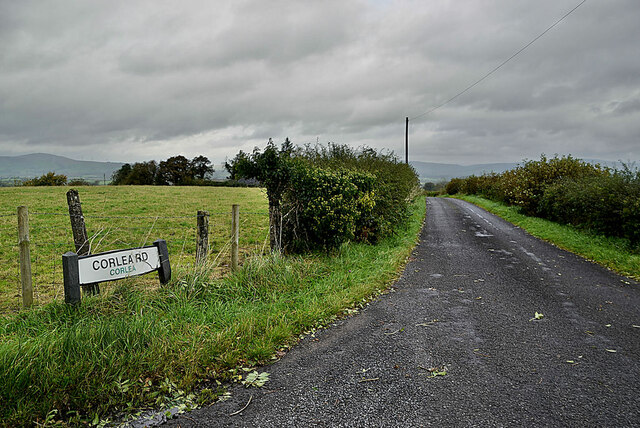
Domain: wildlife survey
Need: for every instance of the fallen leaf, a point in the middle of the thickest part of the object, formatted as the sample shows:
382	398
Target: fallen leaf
427	324
256	379
537	316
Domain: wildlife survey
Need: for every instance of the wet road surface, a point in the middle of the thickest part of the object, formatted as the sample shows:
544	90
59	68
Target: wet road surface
456	342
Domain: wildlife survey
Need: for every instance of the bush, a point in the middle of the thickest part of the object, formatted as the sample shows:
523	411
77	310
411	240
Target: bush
396	186
79	182
566	190
322	196
48	179
324	208
609	205
526	185
454	186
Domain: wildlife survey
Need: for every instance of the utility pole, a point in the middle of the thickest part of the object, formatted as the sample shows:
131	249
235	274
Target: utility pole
406	142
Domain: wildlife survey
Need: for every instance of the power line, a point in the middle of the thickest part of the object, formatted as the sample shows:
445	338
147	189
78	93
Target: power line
501	64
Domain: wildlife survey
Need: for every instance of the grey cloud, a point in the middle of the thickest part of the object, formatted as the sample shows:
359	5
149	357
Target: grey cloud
126	80
626	107
282	33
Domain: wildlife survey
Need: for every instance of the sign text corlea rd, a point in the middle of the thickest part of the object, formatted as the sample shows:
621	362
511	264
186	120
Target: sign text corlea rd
118	265
113	265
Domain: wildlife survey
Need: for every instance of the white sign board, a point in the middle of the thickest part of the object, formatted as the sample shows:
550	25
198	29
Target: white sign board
118	264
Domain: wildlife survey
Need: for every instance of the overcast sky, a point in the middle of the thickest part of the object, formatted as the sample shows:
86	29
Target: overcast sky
135	80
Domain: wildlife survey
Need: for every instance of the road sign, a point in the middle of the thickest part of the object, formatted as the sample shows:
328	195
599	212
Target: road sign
113	265
118	264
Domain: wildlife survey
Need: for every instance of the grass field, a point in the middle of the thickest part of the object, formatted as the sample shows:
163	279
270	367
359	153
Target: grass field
137	347
120	217
613	253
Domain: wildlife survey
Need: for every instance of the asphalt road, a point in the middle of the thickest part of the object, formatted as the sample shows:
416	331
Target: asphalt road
455	344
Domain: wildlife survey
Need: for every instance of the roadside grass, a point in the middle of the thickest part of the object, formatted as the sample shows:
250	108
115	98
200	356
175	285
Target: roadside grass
137	347
120	217
613	253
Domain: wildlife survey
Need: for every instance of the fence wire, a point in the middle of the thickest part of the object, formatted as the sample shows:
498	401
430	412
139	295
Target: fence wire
51	236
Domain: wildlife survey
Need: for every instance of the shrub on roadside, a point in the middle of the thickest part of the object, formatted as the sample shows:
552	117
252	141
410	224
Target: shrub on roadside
454	186
566	190
324	208
396	183
609	205
526	185
322	196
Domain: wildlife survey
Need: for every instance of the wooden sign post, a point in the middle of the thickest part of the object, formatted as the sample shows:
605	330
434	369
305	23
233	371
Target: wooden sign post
80	237
113	265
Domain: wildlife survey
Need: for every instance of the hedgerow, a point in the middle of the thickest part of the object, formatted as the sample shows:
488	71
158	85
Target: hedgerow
609	205
322	196
324	208
568	191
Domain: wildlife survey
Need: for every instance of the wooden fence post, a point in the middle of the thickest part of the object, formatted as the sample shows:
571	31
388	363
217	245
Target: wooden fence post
202	237
25	256
235	235
79	230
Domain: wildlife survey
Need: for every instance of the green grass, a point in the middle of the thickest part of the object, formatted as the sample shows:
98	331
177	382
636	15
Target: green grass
613	253
140	347
119	217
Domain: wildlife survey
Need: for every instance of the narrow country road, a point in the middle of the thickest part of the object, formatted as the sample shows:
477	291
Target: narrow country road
455	343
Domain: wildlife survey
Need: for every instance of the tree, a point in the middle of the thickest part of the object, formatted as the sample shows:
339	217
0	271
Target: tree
200	167
79	182
429	186
273	168
48	179
175	171
120	176
143	173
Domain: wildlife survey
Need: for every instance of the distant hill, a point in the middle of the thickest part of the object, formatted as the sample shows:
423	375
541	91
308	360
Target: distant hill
430	171
34	165
37	164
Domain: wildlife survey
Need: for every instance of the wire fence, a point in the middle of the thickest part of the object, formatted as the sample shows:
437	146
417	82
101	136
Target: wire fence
50	236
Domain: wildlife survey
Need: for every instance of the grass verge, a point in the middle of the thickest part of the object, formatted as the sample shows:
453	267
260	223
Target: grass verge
138	347
613	253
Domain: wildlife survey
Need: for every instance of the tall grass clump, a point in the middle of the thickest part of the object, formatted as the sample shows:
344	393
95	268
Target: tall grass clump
568	191
142	348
